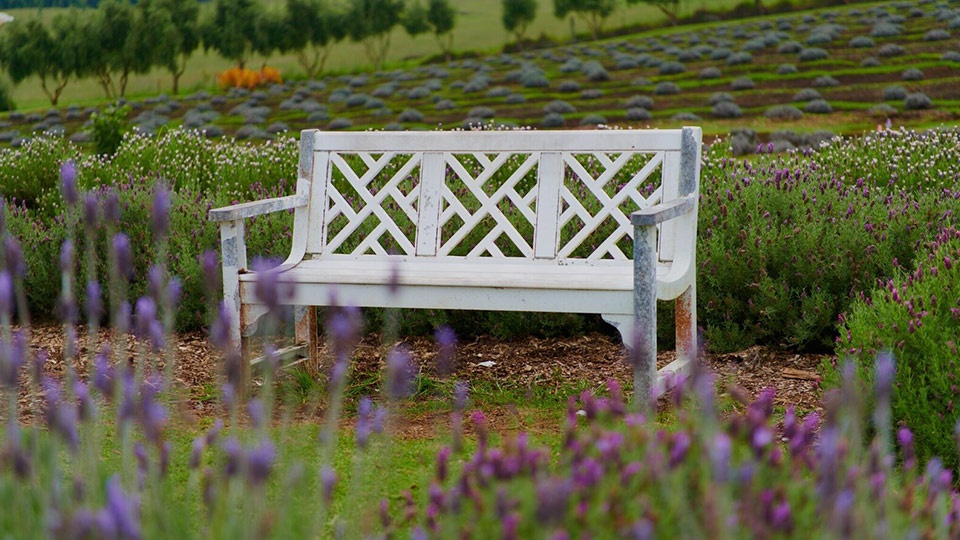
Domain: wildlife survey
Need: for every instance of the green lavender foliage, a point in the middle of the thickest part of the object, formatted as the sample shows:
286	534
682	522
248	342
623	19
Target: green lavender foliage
916	316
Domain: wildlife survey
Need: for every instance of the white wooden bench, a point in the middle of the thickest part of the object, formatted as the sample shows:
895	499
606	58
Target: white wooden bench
507	220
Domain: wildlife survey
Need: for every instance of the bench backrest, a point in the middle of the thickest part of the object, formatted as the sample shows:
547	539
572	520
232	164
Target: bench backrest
557	195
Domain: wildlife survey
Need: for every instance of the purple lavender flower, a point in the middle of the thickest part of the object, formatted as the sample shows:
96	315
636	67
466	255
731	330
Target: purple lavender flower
13	356
553	500
460	391
720	452
642	530
196	453
328	480
13	256
122	511
234	452
111	206
94	305
401	376
211	270
6	293
103	371
268	289
121	249
173	292
68	182
256	411
160	216
91	212
443	458
679	447
447	341
66	256
60	416
85	406
260	460
905	440
363	428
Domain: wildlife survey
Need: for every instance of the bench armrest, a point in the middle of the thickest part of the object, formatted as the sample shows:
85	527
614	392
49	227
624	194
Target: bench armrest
659	213
257	208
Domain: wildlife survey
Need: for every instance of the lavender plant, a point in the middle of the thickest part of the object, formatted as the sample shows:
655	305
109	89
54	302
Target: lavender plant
746	475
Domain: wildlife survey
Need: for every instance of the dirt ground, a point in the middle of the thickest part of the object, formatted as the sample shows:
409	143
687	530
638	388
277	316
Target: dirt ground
548	365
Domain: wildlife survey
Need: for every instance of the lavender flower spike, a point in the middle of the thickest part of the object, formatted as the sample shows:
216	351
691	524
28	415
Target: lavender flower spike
68	182
160	216
121	249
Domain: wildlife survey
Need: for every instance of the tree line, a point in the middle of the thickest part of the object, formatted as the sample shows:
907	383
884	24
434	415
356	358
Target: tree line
119	39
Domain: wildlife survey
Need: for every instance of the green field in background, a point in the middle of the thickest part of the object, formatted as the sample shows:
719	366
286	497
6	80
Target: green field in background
478	29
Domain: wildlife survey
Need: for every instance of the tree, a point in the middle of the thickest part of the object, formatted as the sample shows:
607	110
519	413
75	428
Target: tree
670	8
593	12
517	16
231	29
312	26
182	38
269	33
442	18
371	22
29	48
415	20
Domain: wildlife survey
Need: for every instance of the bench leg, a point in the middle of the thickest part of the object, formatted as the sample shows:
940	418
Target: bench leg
686	332
623	324
305	331
644	353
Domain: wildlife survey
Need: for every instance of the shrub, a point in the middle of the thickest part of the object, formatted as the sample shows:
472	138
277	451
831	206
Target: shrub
742	83
591	93
862	42
339	123
552	120
783	112
870	61
592	120
914	316
818	106
719	97
569	86
811	54
936	34
594	71
666	88
248	78
638	114
559	106
710	73
886	29
917	101
482	112
825	80
534	80
894	92
686	116
807	236
515	99
108	126
950	56
912	74
786	69
417	92
891	49
643	102
883	110
789	47
410	115
672	68
727	109
740	58
720	53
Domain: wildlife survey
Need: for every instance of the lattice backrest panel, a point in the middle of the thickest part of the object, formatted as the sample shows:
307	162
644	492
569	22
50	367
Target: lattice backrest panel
372	203
548	195
489	205
598	194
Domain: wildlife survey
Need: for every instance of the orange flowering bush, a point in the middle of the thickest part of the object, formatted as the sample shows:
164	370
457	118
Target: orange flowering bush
248	78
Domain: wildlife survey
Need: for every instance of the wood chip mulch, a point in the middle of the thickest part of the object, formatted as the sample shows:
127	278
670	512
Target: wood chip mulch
541	365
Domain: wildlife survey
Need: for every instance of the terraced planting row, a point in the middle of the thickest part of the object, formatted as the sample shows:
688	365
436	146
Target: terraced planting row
845	70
